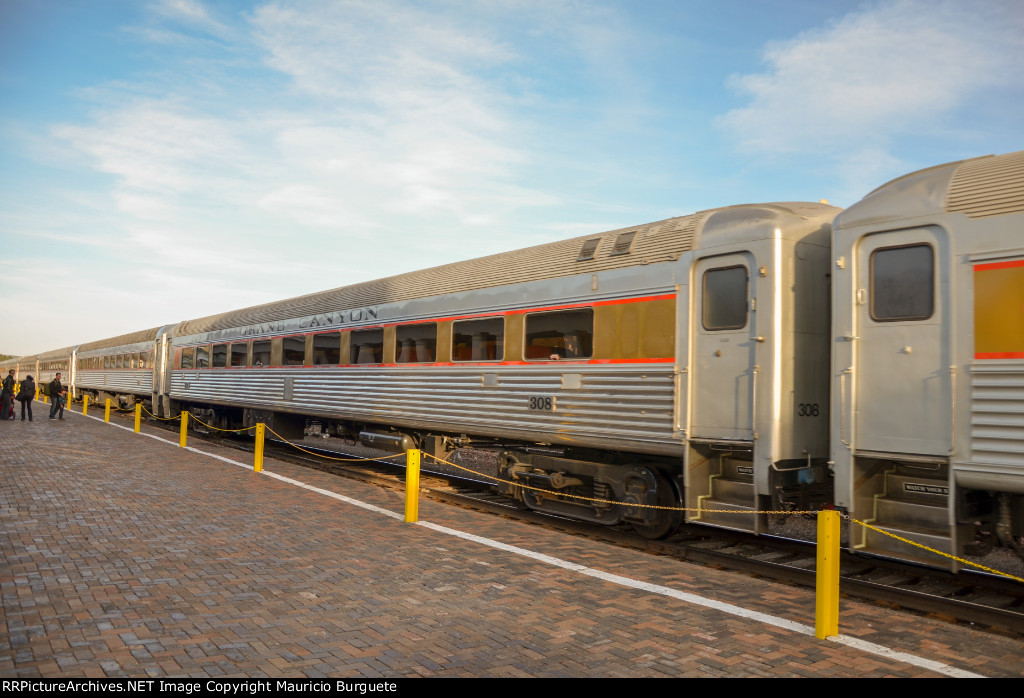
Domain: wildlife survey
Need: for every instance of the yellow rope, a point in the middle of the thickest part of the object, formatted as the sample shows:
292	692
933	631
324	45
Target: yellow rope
320	455
163	419
601	501
933	550
608	501
196	419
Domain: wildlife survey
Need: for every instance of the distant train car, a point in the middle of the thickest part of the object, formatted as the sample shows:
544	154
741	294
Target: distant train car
690	354
120	368
928	359
47	365
6	365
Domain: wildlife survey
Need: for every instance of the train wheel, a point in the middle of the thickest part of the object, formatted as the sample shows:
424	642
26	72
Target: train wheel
667	520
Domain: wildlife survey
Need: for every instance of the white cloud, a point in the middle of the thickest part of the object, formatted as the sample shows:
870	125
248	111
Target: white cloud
889	69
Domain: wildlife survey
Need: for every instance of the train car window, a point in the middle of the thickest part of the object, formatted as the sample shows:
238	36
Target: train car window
149	359
120	361
135	361
416	344
902	283
237	354
327	349
725	299
219	357
478	340
187	357
367	346
202	357
567	334
106	362
260	354
294	351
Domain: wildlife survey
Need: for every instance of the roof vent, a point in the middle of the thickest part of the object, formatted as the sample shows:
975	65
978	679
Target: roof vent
588	250
623	244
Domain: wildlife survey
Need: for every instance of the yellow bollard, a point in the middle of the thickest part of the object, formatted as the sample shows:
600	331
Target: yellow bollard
184	428
412	485
826	616
138	417
106	411
85	405
37	392
257	465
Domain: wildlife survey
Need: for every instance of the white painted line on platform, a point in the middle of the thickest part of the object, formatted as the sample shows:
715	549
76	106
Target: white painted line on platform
731	609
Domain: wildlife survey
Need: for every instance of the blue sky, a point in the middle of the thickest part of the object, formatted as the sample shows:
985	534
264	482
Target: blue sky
171	159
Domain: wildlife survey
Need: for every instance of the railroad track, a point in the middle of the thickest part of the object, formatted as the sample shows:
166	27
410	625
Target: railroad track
979	600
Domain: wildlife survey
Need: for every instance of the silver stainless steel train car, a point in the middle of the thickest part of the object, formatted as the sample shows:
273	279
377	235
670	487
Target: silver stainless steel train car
120	368
47	365
928	358
675	356
685	361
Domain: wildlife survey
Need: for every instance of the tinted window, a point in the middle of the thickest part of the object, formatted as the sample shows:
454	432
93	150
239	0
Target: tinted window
186	358
260	354
478	340
294	351
202	357
367	346
416	343
238	354
725	299
902	283
220	355
567	334
327	349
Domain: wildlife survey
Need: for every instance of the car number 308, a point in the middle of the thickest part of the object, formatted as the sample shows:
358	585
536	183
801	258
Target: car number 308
808	409
542	403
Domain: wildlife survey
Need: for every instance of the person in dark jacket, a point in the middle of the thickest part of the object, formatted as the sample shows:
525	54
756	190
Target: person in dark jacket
56	404
26	395
7	397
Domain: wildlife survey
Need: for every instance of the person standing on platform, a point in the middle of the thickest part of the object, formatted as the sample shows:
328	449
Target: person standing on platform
56	393
26	396
7	397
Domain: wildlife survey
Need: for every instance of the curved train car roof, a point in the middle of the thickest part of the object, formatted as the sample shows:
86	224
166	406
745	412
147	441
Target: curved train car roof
130	338
992	185
650	243
54	354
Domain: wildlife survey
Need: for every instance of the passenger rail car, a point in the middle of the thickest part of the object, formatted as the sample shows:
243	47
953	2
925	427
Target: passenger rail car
121	369
928	358
648	361
741	359
48	364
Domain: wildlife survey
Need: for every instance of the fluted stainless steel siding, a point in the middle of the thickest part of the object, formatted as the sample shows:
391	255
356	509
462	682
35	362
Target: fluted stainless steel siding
624	406
138	381
997	414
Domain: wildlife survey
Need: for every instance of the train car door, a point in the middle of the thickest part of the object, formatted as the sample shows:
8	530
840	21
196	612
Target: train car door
902	371
723	348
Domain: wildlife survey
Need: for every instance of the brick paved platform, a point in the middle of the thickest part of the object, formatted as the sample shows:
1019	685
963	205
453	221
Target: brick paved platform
127	556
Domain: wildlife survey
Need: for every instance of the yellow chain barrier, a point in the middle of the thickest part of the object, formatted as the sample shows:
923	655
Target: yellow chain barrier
196	419
933	550
320	455
596	499
162	419
720	511
610	501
